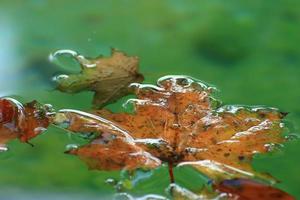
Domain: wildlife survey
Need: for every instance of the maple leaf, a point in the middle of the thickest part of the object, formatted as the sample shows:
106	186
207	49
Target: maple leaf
22	122
108	77
178	122
252	190
234	189
114	146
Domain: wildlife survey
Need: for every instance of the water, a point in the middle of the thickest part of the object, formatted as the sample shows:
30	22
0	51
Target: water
252	61
103	135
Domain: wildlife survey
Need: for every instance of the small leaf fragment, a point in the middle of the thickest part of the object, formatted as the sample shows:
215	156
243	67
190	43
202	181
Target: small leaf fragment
22	122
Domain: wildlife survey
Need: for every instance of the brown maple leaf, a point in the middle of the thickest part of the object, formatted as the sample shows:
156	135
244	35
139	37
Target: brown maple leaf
22	122
108	77
178	122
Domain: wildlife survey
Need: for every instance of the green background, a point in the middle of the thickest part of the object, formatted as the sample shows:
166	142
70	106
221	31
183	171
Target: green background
249	49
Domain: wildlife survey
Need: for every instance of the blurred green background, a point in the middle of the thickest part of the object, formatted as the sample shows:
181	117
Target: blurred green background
249	49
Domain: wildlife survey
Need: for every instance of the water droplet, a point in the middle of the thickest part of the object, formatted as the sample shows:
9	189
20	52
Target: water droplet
230	109
111	181
195	150
85	62
175	126
181	83
3	148
146	87
273	147
60	77
65	115
39	130
48	107
5	153
129	104
67	59
70	60
70	147
62	52
292	137
178	192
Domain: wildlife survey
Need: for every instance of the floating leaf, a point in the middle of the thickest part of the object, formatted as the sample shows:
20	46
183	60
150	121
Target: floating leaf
179	122
22	122
108	77
234	189
240	189
113	149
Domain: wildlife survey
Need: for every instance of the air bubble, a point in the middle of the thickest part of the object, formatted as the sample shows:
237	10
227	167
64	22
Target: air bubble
61	58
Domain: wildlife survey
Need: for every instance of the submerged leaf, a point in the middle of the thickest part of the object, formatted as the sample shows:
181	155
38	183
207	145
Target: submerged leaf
22	122
108	77
179	122
234	189
241	189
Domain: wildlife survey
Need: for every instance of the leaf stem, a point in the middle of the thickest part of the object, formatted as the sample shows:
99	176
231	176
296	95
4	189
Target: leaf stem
171	174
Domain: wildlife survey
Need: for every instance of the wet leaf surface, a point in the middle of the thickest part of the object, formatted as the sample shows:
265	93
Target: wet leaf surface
108	77
22	122
178	122
112	149
234	189
243	189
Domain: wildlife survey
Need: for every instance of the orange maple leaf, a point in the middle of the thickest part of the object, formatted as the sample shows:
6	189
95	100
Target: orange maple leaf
177	122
